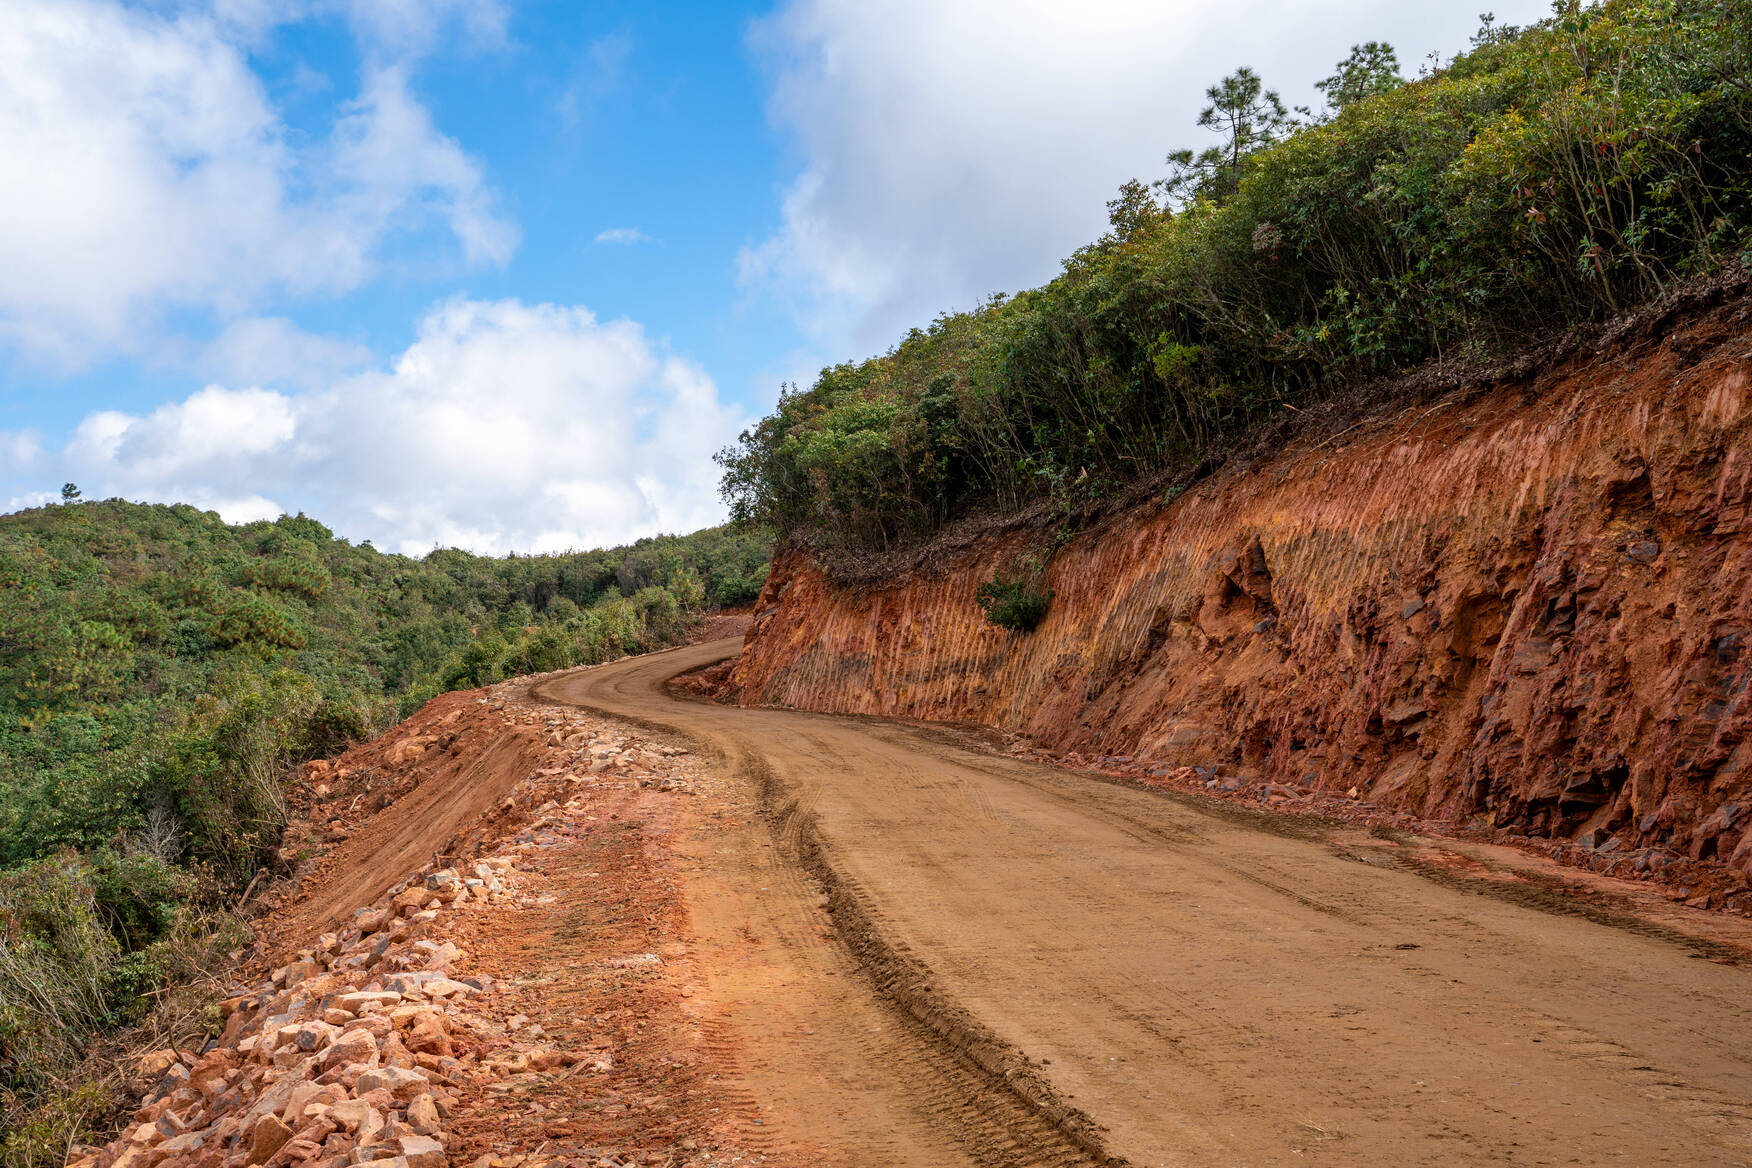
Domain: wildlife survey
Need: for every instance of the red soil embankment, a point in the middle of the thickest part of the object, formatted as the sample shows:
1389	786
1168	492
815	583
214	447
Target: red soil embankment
387	807
1524	606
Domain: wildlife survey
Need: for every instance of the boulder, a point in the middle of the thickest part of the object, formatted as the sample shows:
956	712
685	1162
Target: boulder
268	1136
355	1002
401	1082
354	1046
423	1116
370	920
422	1152
427	1036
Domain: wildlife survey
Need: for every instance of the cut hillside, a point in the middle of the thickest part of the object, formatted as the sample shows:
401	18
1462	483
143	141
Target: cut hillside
1520	607
1393	456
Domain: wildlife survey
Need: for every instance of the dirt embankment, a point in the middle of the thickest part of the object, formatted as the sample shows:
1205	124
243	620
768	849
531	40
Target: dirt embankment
481	959
1524	607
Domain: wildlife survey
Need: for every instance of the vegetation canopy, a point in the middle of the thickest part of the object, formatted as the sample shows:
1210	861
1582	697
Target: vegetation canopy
1548	176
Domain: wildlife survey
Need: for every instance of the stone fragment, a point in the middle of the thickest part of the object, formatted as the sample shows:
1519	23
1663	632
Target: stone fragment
313	1036
152	1066
377	1025
350	1115
302	1094
422	1152
427	1036
402	1082
355	1002
443	880
298	971
413	900
266	1139
423	1115
443	987
354	1046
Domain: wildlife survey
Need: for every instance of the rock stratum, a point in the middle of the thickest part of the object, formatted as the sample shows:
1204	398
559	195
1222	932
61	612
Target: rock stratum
1518	606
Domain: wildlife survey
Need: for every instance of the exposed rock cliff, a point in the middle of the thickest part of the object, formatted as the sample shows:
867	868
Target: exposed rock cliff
1526	605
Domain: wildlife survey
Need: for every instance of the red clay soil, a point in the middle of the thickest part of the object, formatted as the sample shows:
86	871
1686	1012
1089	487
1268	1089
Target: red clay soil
1522	611
386	808
595	957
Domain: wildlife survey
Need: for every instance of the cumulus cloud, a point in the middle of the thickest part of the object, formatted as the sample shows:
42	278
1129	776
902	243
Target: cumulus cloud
504	426
271	350
622	235
948	149
150	173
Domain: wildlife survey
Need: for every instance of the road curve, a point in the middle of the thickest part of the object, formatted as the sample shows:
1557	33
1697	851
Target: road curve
1216	986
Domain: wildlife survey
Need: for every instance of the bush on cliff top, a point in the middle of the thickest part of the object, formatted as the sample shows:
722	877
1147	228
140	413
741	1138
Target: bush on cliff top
1549	176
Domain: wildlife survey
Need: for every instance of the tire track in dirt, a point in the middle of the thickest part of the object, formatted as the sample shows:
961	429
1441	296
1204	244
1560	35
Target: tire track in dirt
1172	980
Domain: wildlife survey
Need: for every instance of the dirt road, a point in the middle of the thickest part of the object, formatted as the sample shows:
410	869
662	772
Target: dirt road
1174	981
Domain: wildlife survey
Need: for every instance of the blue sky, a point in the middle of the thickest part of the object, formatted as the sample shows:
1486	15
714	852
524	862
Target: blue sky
503	273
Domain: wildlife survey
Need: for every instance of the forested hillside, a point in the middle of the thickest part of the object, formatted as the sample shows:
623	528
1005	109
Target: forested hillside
160	670
1547	176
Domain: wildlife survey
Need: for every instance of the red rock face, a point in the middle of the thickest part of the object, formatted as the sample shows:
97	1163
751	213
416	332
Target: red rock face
1528	606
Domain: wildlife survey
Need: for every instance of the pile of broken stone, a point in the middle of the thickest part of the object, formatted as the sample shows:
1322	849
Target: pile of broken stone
348	1055
356	1052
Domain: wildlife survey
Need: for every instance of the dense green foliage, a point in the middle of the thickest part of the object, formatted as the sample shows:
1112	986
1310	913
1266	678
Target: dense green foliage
1015	604
1552	175
160	670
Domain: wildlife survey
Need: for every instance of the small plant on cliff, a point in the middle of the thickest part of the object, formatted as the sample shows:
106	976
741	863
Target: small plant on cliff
1018	603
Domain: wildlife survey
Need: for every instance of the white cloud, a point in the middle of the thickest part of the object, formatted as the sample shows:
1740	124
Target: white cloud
622	235
953	148
271	350
148	172
389	159
504	426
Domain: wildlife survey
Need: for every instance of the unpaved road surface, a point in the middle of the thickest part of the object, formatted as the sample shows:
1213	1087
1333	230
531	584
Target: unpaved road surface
1169	980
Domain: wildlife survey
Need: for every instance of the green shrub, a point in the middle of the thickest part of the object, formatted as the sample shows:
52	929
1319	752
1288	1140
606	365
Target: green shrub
223	767
1015	604
137	896
303	575
38	1129
56	964
254	621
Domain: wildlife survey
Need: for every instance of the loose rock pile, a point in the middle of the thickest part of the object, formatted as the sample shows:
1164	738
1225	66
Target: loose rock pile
356	1052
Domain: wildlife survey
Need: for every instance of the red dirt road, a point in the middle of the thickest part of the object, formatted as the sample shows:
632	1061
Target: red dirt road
1028	965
